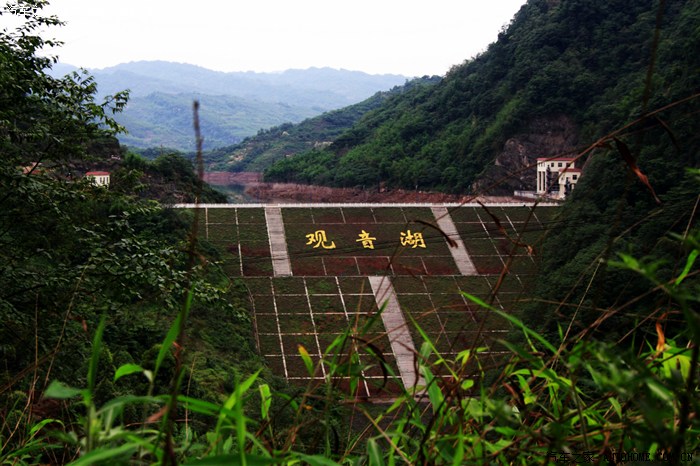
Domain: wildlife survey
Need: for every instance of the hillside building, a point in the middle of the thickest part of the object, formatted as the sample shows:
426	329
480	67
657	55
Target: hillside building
98	178
556	177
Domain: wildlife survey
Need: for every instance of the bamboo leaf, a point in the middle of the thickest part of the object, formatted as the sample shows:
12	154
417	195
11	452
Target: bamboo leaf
616	406
265	400
374	453
688	265
61	391
95	357
37	427
101	454
307	359
234	460
168	342
515	321
127	369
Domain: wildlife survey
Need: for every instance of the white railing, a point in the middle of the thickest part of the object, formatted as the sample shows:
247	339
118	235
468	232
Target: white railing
319	205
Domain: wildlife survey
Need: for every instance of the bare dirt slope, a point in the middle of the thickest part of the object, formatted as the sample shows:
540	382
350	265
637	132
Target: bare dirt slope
290	192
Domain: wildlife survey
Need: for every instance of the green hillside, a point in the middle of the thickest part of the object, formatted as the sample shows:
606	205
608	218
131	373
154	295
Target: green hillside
161	119
258	152
562	74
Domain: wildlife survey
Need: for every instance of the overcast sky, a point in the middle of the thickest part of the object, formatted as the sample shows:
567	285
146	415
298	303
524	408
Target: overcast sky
412	38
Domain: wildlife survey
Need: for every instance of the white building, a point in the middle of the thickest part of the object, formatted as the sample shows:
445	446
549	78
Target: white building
556	177
98	178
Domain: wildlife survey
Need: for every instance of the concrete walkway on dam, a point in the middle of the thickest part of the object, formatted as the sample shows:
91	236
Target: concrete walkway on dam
458	250
281	267
396	328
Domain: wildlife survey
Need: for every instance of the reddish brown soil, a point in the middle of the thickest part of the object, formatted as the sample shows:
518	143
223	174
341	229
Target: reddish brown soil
224	178
290	192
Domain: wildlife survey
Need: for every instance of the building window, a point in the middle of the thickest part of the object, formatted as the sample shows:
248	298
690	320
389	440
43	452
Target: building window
560	164
575	177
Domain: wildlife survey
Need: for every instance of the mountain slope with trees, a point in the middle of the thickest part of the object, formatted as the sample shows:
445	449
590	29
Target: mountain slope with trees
258	152
564	68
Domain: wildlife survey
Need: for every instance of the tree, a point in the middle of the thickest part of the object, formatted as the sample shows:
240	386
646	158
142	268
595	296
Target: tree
69	251
42	118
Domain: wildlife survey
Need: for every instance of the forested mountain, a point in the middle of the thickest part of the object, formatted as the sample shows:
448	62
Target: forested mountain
258	152
559	76
234	105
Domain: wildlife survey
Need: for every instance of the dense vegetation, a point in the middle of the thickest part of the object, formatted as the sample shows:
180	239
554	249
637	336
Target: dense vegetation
582	61
258	152
98	288
73	253
169	178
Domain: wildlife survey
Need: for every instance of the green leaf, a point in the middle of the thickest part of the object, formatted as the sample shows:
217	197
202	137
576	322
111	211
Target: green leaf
101	454
376	458
200	406
61	391
688	265
95	357
316	460
458	458
675	361
235	401
168	342
467	384
127	369
515	321
37	427
661	391
434	392
307	359
616	406
233	460
265	400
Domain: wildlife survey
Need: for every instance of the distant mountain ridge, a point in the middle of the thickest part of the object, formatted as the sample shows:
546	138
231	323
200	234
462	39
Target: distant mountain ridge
238	103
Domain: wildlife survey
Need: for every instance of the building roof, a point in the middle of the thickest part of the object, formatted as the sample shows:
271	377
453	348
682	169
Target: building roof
556	159
97	174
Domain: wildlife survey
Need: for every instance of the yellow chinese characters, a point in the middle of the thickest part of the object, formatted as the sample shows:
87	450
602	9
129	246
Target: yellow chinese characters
366	239
319	237
415	240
